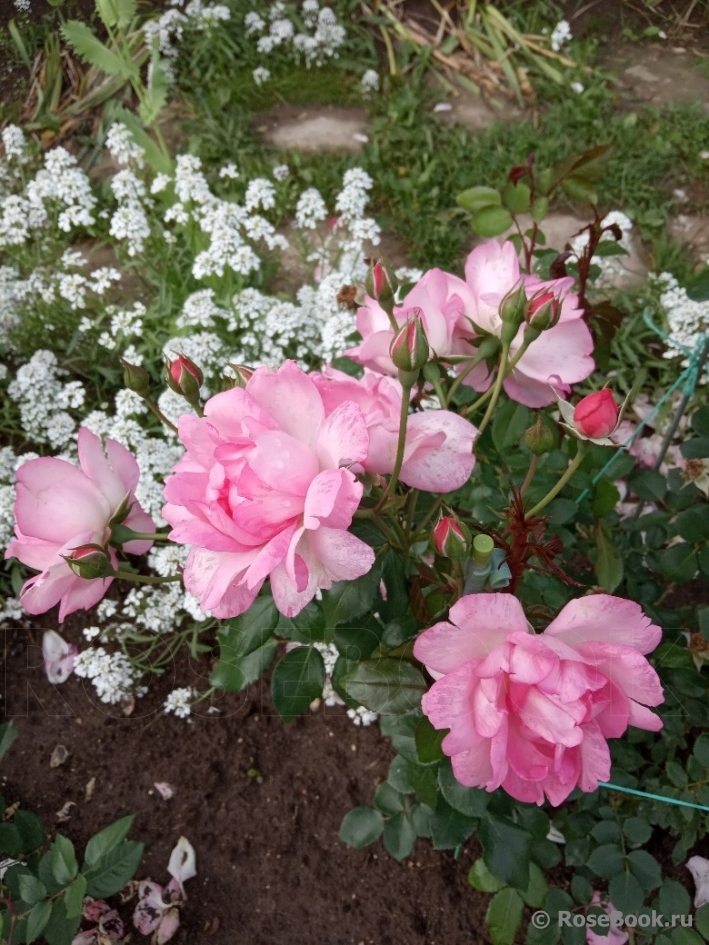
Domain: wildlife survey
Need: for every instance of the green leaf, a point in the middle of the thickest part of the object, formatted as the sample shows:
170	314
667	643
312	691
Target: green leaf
637	830
246	646
581	889
481	878
388	800
648	484
449	827
156	93
423	783
701	919
676	774
491	221
693	524
674	900
469	801
421	817
86	45
506	850
8	734
115	869
116	12
540	208
605	497
386	686
298	678
396	605
160	162
645	868
74	896
695	448
428	741
608	565
537	888
682	936
504	916
348	600
106	840
31	889
38	919
30	829
399	836
510	421
626	893
64	865
700	417
677	564
10	841
361	826
516	197
60	930
237	673
357	643
606	860
477	198
701	749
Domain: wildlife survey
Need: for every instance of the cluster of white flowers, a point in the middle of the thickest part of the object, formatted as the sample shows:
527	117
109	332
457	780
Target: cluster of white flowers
114	677
125	324
611	266
180	701
122	146
169	28
687	320
44	400
560	35
312	35
369	83
15	145
362	716
22	6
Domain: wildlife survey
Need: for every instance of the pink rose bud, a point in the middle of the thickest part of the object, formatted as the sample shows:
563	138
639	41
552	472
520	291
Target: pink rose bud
512	311
89	561
543	310
380	283
135	378
409	349
451	538
184	377
597	414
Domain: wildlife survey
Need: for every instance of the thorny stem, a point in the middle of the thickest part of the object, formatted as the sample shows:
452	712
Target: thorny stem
555	490
160	415
144	578
401	444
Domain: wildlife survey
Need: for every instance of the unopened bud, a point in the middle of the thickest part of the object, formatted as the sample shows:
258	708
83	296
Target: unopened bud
512	311
135	378
380	283
242	375
184	377
409	350
543	311
89	562
451	538
539	438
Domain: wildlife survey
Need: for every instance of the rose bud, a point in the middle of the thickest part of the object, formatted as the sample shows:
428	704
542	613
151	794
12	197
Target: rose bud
184	377
451	538
89	562
135	378
543	310
512	312
596	416
409	350
380	283
539	438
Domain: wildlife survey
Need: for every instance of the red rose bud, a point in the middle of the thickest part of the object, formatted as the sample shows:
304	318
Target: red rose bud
596	416
409	350
451	538
184	377
380	283
543	310
89	562
135	378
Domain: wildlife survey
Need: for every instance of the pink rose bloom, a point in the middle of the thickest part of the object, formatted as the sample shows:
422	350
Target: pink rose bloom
561	356
59	507
438	455
265	490
443	302
531	712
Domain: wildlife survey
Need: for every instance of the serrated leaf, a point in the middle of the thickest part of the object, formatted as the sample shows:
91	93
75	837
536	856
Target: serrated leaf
37	920
297	680
477	198
90	48
626	893
608	566
606	860
386	686
481	878
348	600
516	197
645	868
469	801
428	741
449	827
506	850
361	826
388	800
492	221
115	869
64	865
106	840
31	889
74	897
504	916
8	734
399	836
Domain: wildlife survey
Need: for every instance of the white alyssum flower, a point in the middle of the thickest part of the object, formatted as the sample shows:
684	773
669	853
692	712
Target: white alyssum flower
369	83
362	716
561	34
15	143
281	172
310	209
180	701
43	400
687	320
229	170
611	266
122	146
114	677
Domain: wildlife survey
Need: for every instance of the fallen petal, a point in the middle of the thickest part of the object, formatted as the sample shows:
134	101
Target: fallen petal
698	866
169	924
165	790
183	863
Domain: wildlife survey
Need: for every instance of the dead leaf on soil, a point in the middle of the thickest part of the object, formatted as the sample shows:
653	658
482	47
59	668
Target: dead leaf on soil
64	814
59	756
89	789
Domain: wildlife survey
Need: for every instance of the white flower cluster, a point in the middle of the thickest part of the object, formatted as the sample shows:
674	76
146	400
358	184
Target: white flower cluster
130	220
369	83
687	320
561	34
611	266
59	192
313	38
15	145
113	675
179	701
125	324
122	146
44	400
169	28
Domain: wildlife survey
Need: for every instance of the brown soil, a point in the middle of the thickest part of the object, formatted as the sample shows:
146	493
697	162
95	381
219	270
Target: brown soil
271	868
